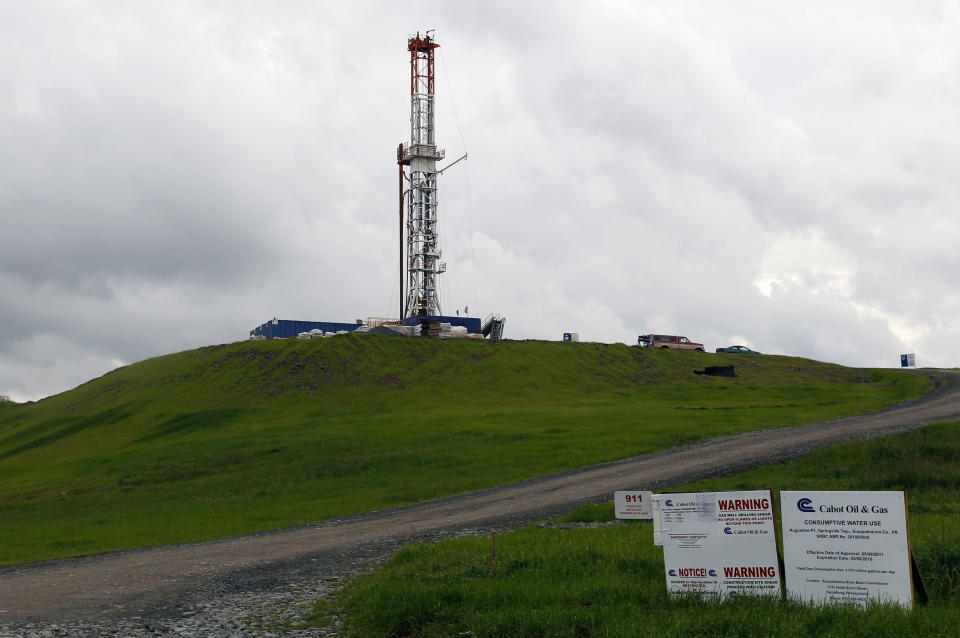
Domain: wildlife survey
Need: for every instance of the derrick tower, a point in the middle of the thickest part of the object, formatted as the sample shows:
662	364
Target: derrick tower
420	198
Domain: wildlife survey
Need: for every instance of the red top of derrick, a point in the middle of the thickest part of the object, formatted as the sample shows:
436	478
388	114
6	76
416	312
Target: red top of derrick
421	63
424	44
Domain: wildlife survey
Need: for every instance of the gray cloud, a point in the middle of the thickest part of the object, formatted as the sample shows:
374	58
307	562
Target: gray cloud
176	173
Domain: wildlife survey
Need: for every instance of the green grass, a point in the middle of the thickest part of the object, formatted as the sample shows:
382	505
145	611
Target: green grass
237	438
608	581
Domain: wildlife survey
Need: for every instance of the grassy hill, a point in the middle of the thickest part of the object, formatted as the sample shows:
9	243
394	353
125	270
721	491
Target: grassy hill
236	438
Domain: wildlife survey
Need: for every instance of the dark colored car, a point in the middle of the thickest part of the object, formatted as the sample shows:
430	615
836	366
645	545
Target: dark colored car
737	350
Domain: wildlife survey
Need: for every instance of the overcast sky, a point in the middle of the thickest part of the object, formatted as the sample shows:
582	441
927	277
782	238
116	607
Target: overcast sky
781	175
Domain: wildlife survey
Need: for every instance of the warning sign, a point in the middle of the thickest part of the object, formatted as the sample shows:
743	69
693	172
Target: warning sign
719	542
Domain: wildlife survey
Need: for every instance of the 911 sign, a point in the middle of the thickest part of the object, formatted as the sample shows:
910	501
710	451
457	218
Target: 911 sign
633	504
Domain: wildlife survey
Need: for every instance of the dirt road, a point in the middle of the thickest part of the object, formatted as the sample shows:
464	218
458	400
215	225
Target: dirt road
156	581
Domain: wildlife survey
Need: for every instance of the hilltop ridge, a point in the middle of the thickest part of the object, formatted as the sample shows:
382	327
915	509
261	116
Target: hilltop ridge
246	369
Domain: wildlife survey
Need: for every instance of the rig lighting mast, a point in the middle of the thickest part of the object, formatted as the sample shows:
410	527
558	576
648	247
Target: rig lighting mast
420	199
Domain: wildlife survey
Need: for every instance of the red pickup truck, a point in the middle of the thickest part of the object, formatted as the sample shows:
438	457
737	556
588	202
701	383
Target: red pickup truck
668	341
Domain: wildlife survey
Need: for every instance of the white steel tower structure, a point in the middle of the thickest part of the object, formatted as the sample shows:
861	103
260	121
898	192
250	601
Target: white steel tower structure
423	252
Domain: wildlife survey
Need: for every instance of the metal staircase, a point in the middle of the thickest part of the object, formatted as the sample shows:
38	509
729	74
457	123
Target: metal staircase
492	327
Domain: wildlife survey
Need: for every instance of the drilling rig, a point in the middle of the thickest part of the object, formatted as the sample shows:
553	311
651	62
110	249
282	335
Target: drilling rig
423	253
418	203
420	264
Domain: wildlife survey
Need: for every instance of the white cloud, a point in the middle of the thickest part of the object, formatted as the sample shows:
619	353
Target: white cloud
778	176
46	364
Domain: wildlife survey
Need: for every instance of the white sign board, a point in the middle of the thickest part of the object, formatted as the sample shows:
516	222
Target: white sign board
719	542
635	504
847	547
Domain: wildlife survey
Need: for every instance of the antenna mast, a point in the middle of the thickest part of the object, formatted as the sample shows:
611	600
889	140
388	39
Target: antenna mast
423	252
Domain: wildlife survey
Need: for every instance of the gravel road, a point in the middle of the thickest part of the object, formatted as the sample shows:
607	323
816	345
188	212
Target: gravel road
234	587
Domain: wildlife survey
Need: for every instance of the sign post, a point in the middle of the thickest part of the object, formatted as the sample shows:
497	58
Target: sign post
657	525
846	547
720	543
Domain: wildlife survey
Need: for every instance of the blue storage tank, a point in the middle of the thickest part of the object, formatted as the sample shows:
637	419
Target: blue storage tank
472	324
287	328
